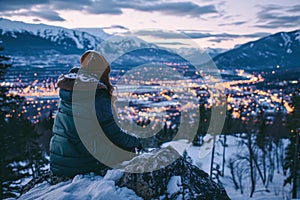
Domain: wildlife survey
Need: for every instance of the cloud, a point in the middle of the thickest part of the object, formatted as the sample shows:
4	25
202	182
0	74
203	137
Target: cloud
185	8
198	35
224	36
178	8
115	27
40	13
113	7
219	40
160	34
294	9
194	34
47	14
171	43
14	5
256	35
238	23
276	16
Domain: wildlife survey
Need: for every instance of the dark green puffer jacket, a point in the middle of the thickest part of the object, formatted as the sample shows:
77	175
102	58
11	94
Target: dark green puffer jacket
68	155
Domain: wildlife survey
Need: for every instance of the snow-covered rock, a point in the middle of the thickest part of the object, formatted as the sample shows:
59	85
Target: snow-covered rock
82	187
175	181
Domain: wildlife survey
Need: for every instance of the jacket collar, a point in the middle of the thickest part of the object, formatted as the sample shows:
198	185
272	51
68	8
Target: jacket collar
67	81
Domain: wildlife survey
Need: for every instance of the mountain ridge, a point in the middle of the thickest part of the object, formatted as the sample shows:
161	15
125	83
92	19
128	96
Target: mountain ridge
279	50
273	51
40	36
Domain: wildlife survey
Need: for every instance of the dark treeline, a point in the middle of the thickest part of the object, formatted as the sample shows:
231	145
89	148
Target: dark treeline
21	154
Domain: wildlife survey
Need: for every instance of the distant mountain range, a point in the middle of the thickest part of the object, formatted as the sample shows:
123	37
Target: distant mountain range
19	36
281	49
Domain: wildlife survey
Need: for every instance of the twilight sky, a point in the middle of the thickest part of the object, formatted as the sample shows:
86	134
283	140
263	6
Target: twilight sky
211	23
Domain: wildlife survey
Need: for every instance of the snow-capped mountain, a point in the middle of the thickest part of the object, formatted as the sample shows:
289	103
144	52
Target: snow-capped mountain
190	52
23	39
212	52
123	44
16	35
281	49
26	38
98	32
20	36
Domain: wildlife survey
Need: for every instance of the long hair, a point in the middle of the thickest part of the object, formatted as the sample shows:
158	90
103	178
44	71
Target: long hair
105	77
95	61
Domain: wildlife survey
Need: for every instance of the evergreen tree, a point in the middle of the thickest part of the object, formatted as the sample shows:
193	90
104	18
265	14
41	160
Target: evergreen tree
44	129
20	155
9	107
292	163
204	121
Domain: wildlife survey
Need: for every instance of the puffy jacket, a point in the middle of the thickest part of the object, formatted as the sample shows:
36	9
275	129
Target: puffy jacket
68	155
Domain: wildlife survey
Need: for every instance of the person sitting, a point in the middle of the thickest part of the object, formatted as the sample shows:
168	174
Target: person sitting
68	155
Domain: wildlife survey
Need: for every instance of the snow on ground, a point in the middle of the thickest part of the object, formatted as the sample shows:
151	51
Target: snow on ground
83	187
173	185
97	187
276	189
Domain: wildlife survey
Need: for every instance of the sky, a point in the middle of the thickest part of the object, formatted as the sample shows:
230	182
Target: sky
211	23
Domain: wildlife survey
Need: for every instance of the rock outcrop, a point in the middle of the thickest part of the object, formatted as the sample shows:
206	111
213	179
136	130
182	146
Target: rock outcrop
155	178
178	180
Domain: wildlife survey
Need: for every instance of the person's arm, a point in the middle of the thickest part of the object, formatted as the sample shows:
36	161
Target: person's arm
111	129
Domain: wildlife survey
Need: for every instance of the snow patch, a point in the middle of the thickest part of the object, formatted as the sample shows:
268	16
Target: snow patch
174	185
289	51
236	148
82	187
114	175
94	31
180	145
286	38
